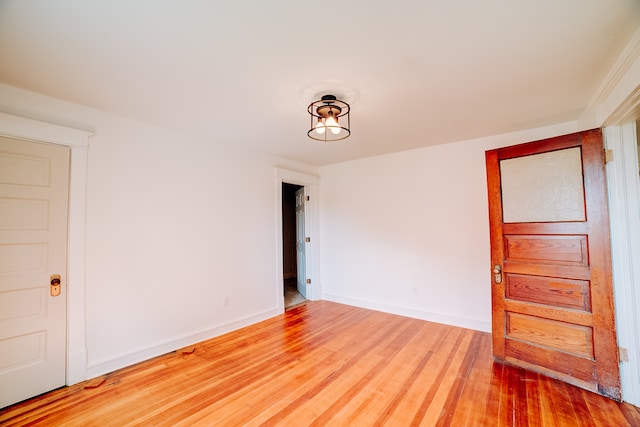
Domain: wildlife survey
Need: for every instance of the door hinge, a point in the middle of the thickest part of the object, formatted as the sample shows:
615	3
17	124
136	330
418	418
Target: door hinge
308	281
608	155
624	354
307	239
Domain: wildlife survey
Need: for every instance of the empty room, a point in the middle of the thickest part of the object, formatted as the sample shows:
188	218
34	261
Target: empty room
287	213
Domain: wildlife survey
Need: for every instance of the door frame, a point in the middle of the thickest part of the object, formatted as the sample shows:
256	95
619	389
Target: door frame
310	184
624	206
78	142
616	105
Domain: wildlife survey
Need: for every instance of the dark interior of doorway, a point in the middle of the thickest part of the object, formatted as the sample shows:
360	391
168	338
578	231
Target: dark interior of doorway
289	252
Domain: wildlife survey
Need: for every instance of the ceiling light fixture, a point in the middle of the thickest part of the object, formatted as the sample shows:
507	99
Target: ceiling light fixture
328	117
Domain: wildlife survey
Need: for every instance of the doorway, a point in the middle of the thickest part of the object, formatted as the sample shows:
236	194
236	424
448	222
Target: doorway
78	141
293	245
310	183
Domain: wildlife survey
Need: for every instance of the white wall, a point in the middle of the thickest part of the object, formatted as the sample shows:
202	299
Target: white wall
408	233
175	224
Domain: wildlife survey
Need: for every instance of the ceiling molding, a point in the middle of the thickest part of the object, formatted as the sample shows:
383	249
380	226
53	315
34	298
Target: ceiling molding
630	54
628	111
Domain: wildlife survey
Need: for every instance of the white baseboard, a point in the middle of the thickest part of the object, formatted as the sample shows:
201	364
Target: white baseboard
107	366
462	322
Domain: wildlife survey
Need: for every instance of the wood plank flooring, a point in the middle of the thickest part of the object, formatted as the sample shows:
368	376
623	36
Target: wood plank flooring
327	364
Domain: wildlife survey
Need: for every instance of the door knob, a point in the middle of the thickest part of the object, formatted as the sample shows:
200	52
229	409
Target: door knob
55	285
497	274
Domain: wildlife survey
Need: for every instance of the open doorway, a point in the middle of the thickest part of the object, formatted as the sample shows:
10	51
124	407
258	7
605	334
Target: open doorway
310	185
293	245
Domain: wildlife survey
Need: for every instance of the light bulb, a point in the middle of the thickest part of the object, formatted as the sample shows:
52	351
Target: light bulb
320	127
332	124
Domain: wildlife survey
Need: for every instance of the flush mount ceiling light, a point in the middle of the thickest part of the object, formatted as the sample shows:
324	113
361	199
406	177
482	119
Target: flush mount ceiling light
330	119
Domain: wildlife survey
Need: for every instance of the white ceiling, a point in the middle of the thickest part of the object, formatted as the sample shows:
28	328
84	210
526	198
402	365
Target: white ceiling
417	72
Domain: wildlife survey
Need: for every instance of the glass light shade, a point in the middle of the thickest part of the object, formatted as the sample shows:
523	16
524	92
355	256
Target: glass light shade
333	125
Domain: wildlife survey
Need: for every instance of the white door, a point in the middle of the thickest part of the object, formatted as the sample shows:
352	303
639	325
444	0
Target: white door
301	244
34	186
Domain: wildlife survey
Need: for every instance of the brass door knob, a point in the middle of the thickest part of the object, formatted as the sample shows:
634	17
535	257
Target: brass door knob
55	285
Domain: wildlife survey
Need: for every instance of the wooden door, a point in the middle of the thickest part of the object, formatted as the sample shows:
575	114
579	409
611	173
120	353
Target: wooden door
301	253
552	295
34	182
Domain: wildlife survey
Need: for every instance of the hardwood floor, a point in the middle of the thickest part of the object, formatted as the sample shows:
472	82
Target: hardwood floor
323	364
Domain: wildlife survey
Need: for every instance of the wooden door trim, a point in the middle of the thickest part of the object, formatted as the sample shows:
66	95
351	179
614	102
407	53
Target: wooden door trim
603	308
497	251
548	144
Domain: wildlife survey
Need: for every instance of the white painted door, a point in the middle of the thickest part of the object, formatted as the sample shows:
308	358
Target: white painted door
34	186
301	244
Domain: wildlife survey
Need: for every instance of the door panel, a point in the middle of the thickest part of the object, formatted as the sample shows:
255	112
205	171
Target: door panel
559	335
543	187
301	243
34	181
564	293
546	249
552	296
